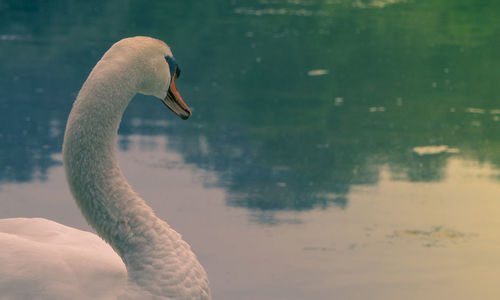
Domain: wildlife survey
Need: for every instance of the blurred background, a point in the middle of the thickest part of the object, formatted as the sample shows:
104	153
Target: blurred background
338	149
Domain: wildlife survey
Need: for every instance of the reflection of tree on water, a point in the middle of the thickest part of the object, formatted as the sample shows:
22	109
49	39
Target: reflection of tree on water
31	128
277	138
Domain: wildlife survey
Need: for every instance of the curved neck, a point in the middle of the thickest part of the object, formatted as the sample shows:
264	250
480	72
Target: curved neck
158	261
90	154
101	191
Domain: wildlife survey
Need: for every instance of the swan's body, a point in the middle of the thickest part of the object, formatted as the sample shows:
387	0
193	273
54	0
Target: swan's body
42	259
157	263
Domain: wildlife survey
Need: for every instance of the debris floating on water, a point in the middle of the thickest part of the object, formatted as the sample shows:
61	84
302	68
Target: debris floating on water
433	150
377	108
473	110
319	72
453	150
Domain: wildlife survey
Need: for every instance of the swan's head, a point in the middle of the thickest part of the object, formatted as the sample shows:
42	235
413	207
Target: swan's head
157	69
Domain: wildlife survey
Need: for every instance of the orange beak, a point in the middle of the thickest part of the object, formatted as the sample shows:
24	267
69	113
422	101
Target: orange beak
174	101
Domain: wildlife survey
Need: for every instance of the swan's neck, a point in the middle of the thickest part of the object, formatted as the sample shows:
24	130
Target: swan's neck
111	207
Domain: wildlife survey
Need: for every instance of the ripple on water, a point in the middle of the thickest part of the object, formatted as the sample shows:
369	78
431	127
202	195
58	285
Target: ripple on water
273	11
436	236
11	37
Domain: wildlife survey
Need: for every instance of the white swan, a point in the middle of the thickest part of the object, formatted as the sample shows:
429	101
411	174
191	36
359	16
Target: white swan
41	259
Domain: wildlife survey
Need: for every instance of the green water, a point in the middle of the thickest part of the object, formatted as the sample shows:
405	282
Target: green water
307	118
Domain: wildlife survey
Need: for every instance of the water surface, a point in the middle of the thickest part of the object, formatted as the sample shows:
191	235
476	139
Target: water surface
337	149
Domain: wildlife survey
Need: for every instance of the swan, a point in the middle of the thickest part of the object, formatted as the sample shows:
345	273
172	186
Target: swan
42	259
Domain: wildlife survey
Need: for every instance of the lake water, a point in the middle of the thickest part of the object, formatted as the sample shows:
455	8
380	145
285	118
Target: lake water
338	149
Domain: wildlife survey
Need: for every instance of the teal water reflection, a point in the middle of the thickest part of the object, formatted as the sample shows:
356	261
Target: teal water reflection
292	100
